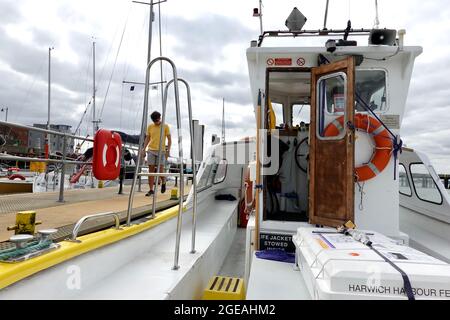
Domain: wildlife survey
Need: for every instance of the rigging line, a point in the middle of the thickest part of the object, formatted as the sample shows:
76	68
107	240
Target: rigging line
87	75
114	67
82	116
111	45
121	104
27	96
137	40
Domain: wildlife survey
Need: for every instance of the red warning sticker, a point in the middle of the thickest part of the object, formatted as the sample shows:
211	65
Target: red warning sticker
283	61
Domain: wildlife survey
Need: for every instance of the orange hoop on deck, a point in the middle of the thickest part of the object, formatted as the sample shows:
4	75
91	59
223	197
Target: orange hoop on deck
383	143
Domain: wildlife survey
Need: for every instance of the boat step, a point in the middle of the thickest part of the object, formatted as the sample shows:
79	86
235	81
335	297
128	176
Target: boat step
224	288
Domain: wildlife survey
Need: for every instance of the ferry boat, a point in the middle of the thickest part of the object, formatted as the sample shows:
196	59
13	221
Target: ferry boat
318	196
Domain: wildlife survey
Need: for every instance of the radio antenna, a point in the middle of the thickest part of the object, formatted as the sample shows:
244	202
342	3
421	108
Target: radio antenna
325	18
377	22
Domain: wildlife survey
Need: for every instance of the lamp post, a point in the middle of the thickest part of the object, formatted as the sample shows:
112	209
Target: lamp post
5	109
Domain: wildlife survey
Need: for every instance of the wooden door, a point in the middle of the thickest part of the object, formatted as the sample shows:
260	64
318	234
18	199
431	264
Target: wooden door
331	186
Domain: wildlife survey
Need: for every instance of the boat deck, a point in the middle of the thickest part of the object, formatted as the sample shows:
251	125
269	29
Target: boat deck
78	203
275	280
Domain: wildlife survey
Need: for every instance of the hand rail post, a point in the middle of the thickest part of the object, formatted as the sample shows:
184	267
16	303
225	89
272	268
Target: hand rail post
144	129
63	171
77	226
193	160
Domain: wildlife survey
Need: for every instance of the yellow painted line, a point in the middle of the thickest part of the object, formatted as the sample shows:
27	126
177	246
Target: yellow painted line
14	272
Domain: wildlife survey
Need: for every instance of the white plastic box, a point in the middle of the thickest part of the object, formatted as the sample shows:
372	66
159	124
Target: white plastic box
336	266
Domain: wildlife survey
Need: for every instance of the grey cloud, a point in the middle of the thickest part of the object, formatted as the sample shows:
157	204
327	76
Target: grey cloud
202	39
247	121
9	11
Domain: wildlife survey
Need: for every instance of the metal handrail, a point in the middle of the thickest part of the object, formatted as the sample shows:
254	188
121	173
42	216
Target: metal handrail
18	158
57	133
163	174
77	227
63	160
180	147
193	159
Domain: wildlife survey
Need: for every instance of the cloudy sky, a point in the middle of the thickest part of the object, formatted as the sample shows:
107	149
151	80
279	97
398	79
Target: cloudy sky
207	40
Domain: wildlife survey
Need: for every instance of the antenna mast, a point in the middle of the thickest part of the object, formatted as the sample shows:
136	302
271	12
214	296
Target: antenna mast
258	13
326	16
377	22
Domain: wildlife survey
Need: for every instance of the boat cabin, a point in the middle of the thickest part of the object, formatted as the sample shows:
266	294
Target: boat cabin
325	157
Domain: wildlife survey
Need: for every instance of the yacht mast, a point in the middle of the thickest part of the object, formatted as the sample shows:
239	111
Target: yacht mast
47	136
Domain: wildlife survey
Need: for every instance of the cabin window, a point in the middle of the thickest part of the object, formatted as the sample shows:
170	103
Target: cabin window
202	182
332	99
403	181
300	113
221	171
371	90
278	110
424	185
214	164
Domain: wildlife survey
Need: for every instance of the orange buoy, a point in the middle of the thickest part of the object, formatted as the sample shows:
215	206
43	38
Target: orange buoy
16	176
106	155
383	143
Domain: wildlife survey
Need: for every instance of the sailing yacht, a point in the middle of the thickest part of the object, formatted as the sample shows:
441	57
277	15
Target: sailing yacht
317	195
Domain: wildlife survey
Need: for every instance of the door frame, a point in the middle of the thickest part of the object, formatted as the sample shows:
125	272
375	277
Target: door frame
317	215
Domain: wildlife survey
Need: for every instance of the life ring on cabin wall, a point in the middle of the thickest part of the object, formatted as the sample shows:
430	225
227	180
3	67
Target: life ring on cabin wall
247	204
249	200
106	155
16	176
383	143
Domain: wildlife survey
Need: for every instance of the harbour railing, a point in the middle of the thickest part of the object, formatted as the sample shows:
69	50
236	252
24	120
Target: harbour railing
63	159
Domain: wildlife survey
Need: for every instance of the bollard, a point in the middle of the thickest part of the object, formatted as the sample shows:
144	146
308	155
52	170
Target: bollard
25	223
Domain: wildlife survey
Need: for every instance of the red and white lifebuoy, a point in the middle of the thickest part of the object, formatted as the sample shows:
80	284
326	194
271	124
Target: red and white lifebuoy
106	155
16	176
248	203
383	143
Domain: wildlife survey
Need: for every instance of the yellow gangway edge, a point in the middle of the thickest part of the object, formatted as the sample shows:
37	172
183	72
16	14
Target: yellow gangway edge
224	288
13	272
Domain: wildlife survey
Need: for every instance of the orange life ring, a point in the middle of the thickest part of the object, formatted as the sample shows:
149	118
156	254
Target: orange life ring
246	205
383	143
106	155
16	176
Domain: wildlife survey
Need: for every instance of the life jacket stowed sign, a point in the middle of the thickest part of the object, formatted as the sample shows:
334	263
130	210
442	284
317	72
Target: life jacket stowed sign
106	158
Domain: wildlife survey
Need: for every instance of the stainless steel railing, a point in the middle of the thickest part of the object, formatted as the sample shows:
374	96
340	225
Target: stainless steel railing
180	147
80	222
193	161
64	160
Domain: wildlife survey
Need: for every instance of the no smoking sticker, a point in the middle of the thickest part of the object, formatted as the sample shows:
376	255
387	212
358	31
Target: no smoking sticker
301	61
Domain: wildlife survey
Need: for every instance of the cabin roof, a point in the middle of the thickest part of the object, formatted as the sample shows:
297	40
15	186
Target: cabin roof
372	51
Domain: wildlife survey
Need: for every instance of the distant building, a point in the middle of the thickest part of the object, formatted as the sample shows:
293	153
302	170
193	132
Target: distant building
16	140
36	140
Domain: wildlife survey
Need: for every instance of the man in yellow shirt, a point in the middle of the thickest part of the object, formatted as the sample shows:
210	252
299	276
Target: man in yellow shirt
152	144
